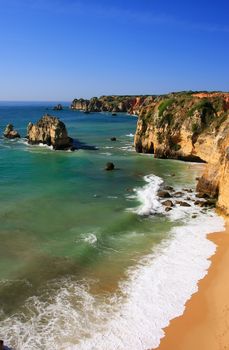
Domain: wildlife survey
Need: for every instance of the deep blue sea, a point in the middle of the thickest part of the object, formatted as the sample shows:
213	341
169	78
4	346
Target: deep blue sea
89	258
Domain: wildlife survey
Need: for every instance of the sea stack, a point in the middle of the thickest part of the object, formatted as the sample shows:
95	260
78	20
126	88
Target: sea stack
10	133
50	131
58	107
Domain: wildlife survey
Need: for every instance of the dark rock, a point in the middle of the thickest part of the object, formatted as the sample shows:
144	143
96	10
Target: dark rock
211	202
59	107
114	114
168	209
194	216
189	190
164	194
198	202
129	190
168	188
202	195
50	131
113	139
183	204
109	166
173	174
10	133
178	194
167	203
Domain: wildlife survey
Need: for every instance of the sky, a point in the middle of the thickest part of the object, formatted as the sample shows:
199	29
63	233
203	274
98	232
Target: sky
63	49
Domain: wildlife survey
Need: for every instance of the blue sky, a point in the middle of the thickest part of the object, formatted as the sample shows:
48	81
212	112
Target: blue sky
61	49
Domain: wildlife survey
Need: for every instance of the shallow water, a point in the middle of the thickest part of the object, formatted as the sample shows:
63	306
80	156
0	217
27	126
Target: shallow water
87	255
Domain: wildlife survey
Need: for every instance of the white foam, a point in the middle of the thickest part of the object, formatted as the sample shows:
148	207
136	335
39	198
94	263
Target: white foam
45	146
42	145
106	154
90	238
147	196
130	135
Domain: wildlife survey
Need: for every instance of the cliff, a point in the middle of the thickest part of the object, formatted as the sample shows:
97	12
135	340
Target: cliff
193	127
50	131
112	104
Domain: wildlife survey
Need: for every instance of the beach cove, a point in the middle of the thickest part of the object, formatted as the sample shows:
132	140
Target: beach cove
115	257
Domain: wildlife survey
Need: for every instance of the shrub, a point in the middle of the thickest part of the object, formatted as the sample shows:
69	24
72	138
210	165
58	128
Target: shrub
164	105
195	128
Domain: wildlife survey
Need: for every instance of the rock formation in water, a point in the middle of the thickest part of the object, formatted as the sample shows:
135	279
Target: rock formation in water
193	127
58	107
50	131
10	133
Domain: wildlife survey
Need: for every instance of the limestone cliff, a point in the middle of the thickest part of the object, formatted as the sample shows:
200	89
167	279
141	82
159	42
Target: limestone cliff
50	131
112	104
190	126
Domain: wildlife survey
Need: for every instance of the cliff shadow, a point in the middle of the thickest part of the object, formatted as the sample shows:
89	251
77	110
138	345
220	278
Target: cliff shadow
83	145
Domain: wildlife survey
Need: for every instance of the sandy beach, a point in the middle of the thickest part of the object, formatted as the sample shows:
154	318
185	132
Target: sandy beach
205	322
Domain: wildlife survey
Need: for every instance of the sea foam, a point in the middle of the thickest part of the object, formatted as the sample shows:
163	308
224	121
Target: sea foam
147	196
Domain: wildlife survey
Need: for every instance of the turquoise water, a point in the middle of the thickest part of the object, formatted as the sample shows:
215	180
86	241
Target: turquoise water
67	223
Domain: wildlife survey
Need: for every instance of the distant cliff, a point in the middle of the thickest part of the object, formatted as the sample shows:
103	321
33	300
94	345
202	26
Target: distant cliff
193	127
114	104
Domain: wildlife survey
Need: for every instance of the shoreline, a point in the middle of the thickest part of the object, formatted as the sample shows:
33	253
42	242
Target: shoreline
204	324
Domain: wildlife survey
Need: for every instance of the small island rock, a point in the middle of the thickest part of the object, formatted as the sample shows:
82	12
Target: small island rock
10	133
109	166
50	131
58	107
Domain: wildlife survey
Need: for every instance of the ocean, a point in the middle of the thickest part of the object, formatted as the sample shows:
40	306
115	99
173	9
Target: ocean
90	259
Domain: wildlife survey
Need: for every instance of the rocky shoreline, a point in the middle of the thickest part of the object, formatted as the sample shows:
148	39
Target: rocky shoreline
191	127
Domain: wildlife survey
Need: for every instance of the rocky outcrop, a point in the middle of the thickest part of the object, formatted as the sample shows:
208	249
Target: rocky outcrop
10	133
193	127
113	104
109	166
51	131
58	107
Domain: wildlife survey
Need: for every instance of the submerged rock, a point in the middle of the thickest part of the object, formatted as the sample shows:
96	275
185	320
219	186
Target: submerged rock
168	188
183	204
163	194
178	194
188	190
168	209
168	204
50	131
113	139
10	133
109	166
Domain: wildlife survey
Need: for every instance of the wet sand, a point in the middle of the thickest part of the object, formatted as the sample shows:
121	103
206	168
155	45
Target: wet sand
205	322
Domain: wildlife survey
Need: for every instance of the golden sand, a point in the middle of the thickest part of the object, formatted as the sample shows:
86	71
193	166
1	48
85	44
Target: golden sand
205	322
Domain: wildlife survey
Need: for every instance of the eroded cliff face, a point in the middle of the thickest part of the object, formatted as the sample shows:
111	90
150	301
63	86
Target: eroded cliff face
114	104
192	127
50	131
